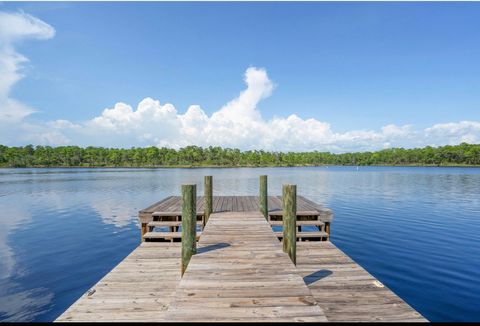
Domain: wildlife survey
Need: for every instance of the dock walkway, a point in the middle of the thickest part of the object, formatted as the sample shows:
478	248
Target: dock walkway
139	288
240	273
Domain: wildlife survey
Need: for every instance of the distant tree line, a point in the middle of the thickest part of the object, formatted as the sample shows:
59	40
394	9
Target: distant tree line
74	156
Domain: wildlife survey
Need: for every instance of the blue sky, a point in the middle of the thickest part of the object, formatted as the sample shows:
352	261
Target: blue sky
357	67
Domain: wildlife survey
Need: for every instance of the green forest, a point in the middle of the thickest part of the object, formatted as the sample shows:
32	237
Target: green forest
193	156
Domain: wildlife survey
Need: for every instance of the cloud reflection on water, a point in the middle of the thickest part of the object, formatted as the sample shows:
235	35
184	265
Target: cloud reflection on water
17	303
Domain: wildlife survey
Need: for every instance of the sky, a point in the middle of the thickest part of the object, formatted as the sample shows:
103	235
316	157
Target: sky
282	76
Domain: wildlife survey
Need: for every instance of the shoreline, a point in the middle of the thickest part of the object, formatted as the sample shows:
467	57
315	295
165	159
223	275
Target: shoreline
239	166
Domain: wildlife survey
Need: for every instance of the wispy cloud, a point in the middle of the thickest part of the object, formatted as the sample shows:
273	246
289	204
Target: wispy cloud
15	27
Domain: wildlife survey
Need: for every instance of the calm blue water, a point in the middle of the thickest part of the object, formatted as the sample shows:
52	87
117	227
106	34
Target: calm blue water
416	229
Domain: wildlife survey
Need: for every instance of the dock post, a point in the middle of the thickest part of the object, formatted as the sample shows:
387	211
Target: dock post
208	198
189	223
327	228
143	231
289	197
264	196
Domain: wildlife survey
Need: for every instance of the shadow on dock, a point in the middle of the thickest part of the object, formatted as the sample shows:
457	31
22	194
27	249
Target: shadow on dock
216	246
316	276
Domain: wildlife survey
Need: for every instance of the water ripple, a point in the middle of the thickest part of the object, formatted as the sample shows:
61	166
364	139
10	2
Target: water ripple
416	229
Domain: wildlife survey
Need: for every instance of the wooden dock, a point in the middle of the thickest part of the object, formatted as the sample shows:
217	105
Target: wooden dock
241	276
172	206
239	272
167	213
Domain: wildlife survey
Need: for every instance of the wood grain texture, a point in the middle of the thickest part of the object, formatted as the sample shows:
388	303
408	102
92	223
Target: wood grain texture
347	292
171	206
137	289
290	221
208	194
189	224
240	273
263	202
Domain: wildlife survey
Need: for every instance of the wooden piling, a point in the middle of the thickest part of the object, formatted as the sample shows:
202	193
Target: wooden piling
289	198
208	195
143	231
264	196
189	221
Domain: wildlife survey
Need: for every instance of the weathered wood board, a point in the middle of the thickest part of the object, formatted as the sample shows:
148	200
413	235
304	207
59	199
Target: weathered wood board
173	204
137	289
241	262
347	292
240	273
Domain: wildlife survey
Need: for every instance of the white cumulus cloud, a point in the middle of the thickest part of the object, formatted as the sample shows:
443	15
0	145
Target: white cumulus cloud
239	123
15	27
453	133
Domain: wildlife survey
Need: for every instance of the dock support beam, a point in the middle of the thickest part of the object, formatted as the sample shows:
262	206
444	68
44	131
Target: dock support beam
189	224
208	198
143	231
289	197
264	196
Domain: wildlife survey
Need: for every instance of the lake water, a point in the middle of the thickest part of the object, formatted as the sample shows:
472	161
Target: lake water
416	229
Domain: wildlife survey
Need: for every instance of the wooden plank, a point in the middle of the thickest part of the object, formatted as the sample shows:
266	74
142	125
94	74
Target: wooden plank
304	205
246	203
166	235
172	205
241	203
113	298
178	205
228	249
325	214
254	204
299	213
250	203
273	204
236	206
227	204
345	291
299	223
167	223
159	203
240	273
308	234
216	202
200	203
171	213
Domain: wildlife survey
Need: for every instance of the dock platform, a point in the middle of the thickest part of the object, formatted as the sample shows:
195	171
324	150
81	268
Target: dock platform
167	213
239	273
